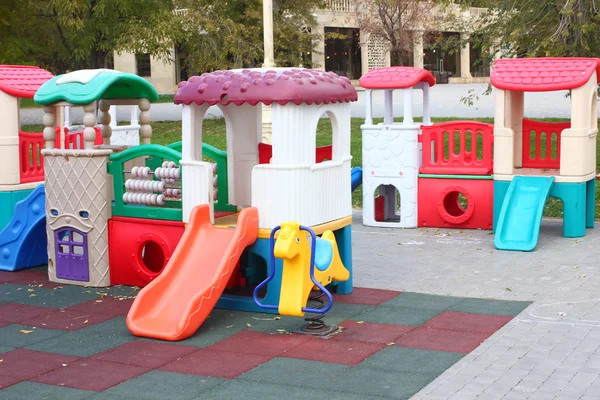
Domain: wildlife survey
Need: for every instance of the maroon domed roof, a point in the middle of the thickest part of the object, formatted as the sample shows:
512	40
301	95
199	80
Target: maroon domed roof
253	86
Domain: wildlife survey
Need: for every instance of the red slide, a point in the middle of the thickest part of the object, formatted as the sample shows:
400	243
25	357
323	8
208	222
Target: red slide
176	303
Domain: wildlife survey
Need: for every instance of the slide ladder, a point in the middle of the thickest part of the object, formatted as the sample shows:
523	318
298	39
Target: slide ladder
521	213
23	242
176	303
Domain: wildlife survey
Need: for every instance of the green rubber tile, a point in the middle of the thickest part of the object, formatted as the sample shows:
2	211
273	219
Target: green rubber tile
80	344
402	359
15	336
389	384
424	301
236	389
405	316
491	307
10	293
158	385
33	390
60	297
341	312
120	291
282	325
5	349
115	326
295	372
110	396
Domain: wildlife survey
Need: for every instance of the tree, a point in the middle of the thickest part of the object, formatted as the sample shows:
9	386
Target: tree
396	22
84	33
229	34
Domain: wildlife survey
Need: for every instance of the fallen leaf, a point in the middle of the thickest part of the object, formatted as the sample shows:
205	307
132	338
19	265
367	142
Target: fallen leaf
19	288
582	276
32	295
575	266
249	326
379	254
360	322
229	326
277	318
98	301
64	365
281	330
30	290
479	248
390	343
85	322
1	360
508	289
25	332
87	291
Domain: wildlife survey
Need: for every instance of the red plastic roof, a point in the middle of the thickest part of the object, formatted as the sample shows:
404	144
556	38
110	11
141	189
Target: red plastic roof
395	78
543	74
22	81
278	85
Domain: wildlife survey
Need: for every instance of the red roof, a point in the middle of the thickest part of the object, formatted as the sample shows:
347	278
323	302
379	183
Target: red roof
280	85
22	81
395	78
543	74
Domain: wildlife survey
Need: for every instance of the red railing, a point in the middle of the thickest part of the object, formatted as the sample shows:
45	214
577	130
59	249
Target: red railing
74	141
541	143
457	147
265	152
30	156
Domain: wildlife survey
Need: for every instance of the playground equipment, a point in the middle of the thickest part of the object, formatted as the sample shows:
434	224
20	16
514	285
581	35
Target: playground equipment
391	150
534	160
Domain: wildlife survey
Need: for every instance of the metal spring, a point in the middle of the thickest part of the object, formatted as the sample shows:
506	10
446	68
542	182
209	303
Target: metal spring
316	322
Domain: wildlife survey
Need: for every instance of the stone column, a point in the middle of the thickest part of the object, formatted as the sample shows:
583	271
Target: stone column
268	33
418	49
318	52
465	56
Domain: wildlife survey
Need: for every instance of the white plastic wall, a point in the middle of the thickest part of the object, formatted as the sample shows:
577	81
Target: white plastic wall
9	140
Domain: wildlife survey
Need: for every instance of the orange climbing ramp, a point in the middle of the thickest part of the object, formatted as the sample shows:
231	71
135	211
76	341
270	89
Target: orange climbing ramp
176	303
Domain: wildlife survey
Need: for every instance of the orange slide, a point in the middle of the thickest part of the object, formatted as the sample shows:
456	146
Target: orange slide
174	305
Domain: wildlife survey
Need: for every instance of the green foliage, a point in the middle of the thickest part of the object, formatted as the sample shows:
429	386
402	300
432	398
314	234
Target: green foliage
229	34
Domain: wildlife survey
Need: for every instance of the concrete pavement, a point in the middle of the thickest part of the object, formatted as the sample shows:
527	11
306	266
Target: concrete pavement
445	102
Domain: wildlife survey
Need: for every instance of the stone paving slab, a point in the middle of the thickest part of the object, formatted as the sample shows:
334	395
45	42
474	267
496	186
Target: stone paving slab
551	350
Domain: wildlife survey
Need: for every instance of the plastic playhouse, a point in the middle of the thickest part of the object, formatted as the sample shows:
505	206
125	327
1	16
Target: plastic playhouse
149	215
473	175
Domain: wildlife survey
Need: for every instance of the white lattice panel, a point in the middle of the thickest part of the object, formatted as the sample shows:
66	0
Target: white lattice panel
77	180
376	50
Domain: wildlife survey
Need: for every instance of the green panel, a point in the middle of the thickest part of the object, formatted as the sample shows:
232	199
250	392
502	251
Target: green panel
152	153
8	200
482	177
220	157
107	84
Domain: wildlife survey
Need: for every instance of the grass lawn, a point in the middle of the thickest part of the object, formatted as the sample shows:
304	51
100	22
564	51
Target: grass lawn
214	134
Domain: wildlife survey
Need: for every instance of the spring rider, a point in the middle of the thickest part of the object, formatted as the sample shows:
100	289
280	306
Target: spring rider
307	266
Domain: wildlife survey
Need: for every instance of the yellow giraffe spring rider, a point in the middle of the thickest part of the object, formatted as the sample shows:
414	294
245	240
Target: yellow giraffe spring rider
306	266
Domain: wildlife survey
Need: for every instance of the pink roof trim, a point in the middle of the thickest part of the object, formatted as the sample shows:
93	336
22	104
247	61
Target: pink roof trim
22	81
396	78
543	74
252	86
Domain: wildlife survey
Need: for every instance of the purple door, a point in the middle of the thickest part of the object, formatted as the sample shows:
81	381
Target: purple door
72	255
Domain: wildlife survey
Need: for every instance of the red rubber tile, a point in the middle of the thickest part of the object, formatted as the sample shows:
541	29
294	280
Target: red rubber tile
4	323
94	375
252	342
108	305
145	354
335	351
6	276
371	332
371	297
6	381
15	313
216	363
30	278
458	321
442	340
66	320
25	364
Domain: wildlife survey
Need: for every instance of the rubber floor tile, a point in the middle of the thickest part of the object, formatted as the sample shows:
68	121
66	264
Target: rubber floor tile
6	381
15	313
145	353
217	364
281	325
295	372
87	374
372	297
35	279
237	389
8	276
3	324
22	335
405	316
59	297
371	332
111	396
5	349
491	307
34	390
423	301
334	351
442	340
370	382
81	344
402	359
25	364
107	305
457	321
116	326
252	342
66	320
160	385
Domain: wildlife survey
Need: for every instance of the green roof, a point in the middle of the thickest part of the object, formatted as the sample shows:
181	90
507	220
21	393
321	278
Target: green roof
88	85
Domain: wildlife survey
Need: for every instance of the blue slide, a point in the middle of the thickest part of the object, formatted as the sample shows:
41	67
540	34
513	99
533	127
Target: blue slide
521	214
356	178
23	242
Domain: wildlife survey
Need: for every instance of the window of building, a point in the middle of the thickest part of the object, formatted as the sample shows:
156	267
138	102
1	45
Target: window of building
142	62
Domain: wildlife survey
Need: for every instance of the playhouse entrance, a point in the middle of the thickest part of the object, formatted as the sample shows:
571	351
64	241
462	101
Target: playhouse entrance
387	204
72	255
